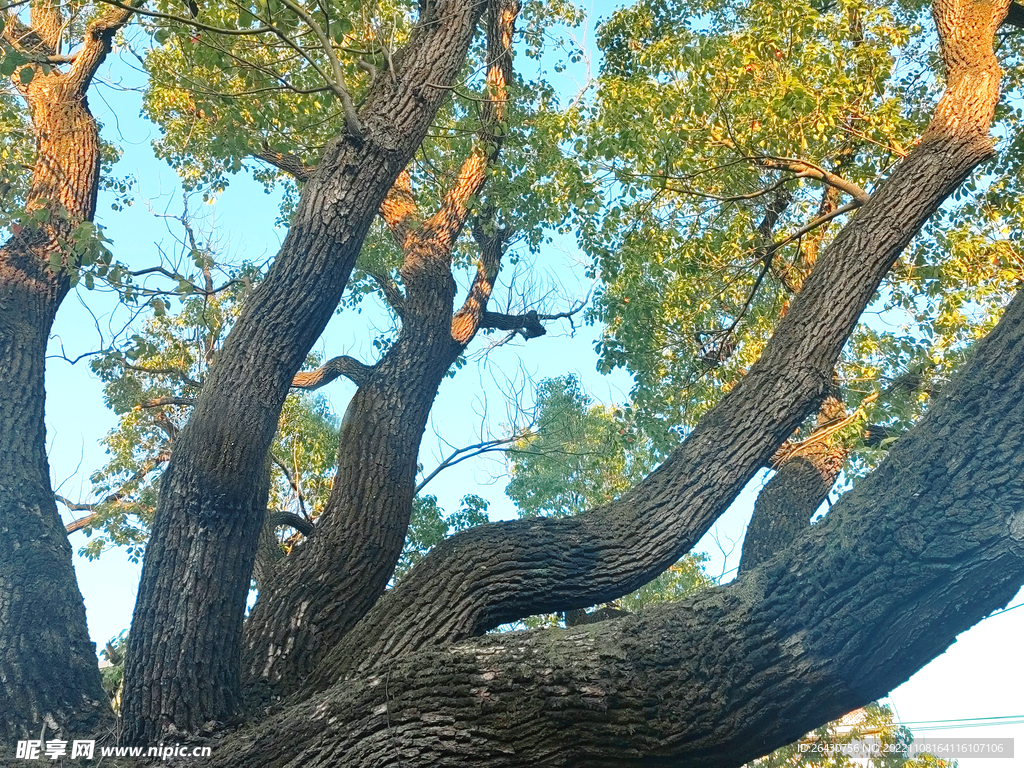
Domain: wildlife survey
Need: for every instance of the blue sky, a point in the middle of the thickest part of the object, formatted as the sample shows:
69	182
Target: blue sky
980	676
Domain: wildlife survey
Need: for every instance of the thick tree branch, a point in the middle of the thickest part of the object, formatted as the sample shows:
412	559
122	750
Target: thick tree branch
924	548
279	518
446	224
400	211
96	44
47	22
343	365
527	324
466	321
213	494
800	485
498	573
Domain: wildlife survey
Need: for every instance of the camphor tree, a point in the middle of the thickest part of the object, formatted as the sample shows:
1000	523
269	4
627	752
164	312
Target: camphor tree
689	684
920	550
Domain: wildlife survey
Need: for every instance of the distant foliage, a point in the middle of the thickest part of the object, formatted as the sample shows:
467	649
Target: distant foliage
581	455
150	383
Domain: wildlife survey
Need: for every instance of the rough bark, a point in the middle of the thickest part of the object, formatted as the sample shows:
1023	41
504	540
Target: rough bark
918	552
325	587
499	573
48	667
800	485
183	665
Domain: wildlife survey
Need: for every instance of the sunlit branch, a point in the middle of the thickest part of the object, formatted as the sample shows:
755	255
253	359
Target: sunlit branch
157	402
805	169
187	22
399	210
343	365
175	372
88	520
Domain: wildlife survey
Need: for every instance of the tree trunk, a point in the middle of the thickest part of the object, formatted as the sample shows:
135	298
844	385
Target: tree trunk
48	665
200	555
799	486
499	573
49	676
322	591
918	552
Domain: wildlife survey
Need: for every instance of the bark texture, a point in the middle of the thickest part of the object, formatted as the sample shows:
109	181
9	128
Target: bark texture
921	550
183	665
499	573
48	666
324	588
800	485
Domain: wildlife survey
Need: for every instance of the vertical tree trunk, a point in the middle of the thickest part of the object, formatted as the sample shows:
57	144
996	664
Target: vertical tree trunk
48	666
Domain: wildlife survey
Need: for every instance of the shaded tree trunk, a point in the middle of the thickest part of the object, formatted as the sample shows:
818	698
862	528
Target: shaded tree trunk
206	526
799	486
323	588
499	573
319	593
48	667
918	552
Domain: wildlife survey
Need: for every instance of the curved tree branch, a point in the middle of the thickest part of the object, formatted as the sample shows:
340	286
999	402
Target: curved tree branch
96	44
343	365
806	169
497	573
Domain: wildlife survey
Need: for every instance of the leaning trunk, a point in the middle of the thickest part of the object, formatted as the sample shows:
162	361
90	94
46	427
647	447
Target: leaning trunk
323	589
502	572
198	563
